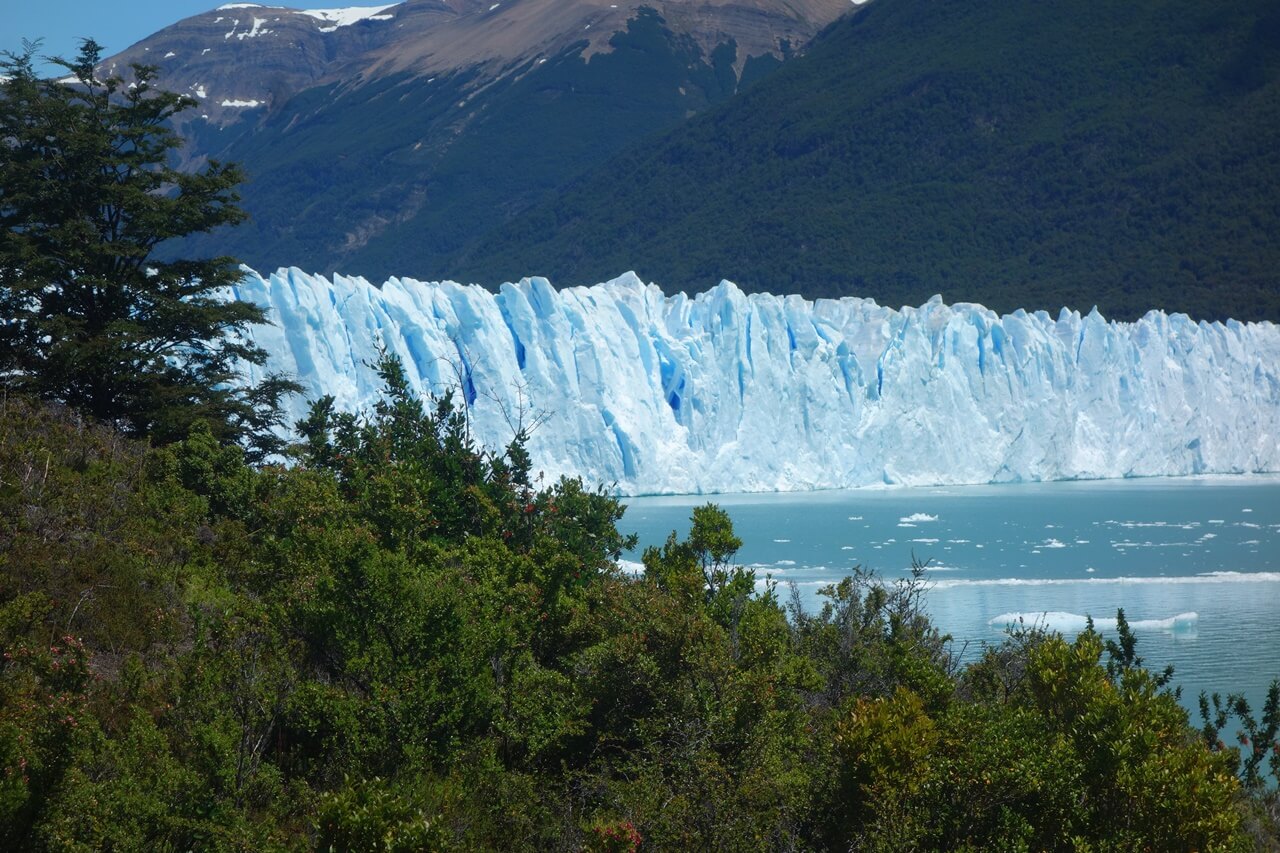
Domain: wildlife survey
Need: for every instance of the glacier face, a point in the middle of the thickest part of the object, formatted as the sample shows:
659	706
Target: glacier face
728	392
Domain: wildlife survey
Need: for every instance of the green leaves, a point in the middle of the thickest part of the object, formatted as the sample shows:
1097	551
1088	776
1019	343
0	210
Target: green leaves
93	319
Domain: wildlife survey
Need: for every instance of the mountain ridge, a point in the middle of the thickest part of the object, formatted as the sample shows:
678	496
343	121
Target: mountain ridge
1008	154
420	113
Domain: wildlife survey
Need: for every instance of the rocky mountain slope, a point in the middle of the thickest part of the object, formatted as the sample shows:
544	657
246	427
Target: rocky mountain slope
385	138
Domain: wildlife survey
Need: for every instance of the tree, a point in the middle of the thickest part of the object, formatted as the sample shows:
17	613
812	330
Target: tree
88	317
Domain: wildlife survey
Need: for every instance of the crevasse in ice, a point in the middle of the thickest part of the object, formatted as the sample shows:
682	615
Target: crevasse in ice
729	392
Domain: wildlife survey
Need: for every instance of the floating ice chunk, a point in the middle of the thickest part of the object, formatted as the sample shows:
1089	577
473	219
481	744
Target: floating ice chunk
917	517
1073	623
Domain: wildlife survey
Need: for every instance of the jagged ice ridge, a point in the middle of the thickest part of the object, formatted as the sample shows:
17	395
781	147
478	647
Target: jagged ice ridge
729	392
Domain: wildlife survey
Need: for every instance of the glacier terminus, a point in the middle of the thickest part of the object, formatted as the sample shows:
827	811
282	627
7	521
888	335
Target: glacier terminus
727	392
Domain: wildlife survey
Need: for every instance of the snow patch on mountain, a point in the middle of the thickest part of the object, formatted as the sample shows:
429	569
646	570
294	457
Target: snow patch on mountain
729	392
349	15
256	30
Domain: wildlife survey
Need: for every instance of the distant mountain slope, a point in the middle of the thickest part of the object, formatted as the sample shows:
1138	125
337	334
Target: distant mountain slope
1124	153
385	138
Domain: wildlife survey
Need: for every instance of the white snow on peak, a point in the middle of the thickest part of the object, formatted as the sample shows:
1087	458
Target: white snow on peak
728	392
238	6
348	16
254	32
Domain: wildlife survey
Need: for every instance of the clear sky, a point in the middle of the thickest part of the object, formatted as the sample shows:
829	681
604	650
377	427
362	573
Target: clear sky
115	24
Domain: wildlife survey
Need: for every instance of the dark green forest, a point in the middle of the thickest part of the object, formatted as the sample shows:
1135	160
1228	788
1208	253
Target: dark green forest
1020	155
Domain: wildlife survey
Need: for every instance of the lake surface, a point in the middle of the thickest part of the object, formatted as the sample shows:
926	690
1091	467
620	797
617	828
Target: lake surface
1194	562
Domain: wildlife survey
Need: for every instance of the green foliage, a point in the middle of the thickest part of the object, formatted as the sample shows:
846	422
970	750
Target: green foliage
403	643
370	817
42	705
1020	155
79	531
1148	782
1258	739
1122	655
91	318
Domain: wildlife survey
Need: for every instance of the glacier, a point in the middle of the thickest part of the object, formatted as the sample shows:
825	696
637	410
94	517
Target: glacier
728	392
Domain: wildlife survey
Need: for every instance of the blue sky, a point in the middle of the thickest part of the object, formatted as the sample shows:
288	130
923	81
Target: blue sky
115	25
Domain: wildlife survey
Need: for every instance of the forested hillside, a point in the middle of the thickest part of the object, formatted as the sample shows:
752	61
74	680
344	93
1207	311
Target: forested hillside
1034	155
386	143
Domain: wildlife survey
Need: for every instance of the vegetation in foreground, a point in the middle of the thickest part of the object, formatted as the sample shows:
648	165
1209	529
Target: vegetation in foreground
88	315
403	642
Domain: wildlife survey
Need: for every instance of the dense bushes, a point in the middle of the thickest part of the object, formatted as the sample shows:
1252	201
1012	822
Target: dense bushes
404	642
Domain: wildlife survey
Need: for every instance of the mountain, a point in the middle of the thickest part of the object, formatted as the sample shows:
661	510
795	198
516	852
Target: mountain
1125	154
386	138
672	394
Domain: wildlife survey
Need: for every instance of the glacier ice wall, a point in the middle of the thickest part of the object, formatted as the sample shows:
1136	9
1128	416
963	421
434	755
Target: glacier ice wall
730	392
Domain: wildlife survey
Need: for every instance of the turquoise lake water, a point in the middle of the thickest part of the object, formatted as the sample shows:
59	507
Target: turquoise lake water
1194	562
